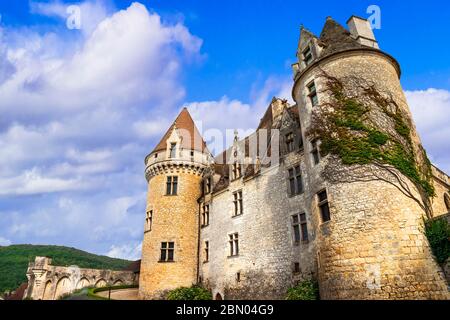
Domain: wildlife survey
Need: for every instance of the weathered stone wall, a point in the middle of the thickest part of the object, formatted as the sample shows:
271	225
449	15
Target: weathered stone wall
441	183
374	246
175	219
48	282
267	251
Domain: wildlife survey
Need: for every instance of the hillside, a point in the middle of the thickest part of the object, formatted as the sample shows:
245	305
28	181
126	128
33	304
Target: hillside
14	261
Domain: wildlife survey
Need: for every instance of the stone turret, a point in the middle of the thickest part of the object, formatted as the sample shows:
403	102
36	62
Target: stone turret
368	236
174	171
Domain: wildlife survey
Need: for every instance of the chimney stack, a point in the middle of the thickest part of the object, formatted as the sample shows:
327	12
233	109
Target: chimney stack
362	32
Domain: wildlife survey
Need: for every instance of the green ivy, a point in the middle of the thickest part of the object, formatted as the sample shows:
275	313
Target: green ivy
192	293
305	290
438	234
357	143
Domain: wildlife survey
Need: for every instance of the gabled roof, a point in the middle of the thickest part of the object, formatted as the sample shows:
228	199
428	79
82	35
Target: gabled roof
192	138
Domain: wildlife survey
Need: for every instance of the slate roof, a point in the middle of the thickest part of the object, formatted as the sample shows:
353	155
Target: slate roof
335	38
192	138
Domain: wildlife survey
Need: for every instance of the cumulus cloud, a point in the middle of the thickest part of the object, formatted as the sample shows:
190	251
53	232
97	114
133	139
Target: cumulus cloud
79	114
128	251
431	113
221	117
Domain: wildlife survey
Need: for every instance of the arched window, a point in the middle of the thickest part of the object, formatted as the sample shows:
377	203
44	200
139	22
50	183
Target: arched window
447	201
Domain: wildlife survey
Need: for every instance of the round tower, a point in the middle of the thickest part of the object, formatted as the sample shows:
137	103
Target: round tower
174	171
368	231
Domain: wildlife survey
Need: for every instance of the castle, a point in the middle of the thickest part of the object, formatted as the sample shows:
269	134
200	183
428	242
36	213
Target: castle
253	221
333	188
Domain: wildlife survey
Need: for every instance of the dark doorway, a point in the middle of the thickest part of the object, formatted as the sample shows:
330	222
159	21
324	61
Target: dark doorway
219	297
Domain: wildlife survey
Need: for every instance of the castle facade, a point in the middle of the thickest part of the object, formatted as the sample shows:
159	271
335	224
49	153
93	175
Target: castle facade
252	222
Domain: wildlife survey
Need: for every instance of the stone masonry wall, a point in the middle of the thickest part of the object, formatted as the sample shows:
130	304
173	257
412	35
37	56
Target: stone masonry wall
267	251
48	282
175	219
374	246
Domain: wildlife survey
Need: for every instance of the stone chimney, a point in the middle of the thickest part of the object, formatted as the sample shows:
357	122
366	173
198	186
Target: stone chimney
278	105
362	32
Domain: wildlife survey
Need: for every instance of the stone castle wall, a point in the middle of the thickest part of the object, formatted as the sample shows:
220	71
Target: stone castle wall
267	251
175	219
48	282
374	246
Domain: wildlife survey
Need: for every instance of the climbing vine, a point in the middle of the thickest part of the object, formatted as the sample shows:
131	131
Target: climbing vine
370	134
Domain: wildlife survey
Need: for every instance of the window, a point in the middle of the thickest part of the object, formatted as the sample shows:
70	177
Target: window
238	277
304	227
173	148
156	155
149	220
206	251
172	186
290	145
296	267
205	215
295	181
234	244
312	93
167	251
237	201
236	170
208	185
307	56
300	227
447	201
315	152
324	206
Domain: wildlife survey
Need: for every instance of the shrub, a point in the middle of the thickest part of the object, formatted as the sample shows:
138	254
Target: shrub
305	290
192	293
438	234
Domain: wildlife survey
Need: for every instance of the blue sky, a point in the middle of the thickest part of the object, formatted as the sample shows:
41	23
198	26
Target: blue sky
81	108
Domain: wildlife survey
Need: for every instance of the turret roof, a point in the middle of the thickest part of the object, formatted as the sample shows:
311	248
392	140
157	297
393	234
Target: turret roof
191	137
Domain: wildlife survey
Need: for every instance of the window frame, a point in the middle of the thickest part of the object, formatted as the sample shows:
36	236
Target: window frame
238	203
173	150
206	251
295	181
167	252
172	185
322	204
312	93
148	220
205	214
315	151
307	52
233	241
290	142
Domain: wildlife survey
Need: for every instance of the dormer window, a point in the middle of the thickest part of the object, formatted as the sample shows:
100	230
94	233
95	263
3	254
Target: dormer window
173	148
290	145
307	56
236	170
312	94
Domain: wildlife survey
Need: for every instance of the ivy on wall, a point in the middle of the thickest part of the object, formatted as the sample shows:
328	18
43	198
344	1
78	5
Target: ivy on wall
359	126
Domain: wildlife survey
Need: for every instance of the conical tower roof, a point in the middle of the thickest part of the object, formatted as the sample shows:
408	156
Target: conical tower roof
191	137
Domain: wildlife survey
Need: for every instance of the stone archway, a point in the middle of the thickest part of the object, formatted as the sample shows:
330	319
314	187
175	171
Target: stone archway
118	282
218	296
63	286
83	283
100	283
47	295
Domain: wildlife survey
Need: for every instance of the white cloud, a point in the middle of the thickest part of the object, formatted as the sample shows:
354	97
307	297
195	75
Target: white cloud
128	252
431	113
221	117
75	110
4	242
